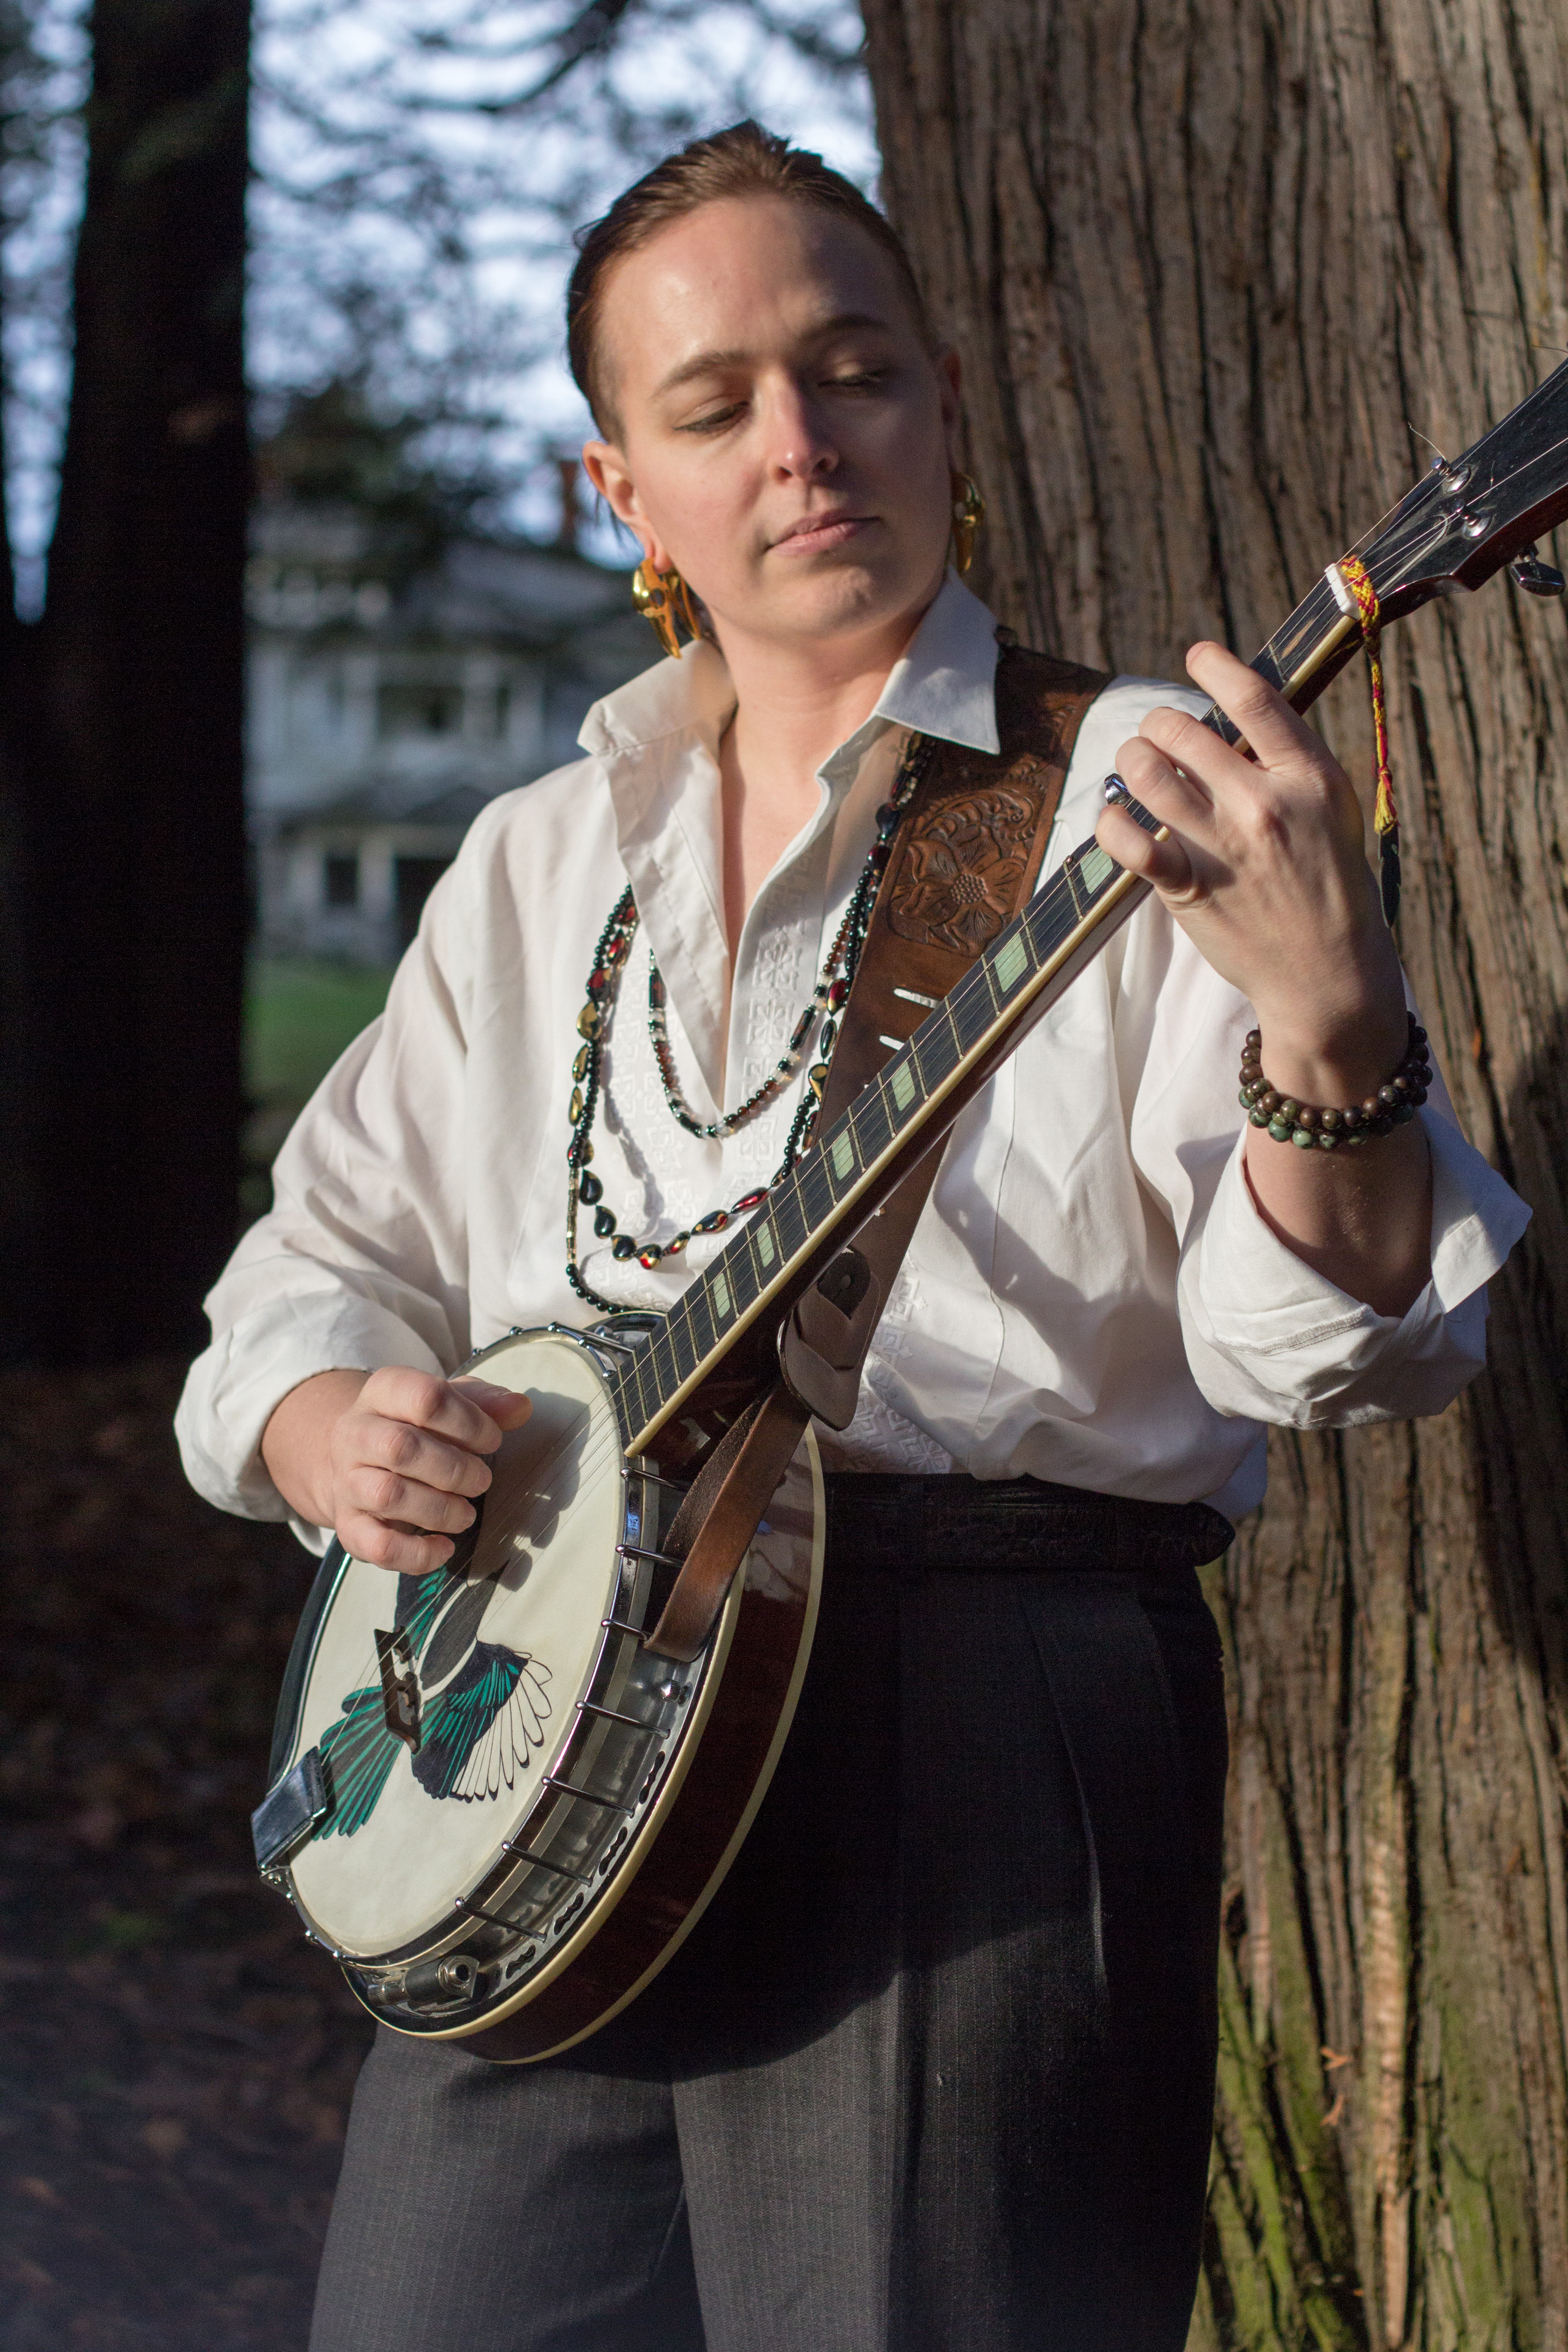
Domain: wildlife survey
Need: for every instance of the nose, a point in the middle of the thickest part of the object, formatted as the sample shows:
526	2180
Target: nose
800	446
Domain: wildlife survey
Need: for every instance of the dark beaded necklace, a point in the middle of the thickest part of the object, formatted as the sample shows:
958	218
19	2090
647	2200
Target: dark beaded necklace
828	1001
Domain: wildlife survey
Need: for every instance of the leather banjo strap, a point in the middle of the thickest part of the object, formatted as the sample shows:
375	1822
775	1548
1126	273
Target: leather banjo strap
965	860
968	861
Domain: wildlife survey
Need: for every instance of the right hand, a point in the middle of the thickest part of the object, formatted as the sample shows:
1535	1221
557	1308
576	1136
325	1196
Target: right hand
392	1461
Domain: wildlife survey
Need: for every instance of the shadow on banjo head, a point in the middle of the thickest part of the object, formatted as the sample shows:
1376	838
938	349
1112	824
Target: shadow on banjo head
535	1474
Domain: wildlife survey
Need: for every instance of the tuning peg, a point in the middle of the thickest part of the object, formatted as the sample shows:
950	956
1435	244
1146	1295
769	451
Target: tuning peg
1539	579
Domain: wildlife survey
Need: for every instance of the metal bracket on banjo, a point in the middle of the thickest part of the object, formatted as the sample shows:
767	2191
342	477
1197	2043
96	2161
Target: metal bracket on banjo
570	1789
542	1861
477	1911
614	1715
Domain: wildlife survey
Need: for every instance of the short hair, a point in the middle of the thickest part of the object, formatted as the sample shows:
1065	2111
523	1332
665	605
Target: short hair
744	161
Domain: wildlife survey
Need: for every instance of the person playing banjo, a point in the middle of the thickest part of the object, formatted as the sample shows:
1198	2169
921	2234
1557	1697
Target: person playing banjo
935	2066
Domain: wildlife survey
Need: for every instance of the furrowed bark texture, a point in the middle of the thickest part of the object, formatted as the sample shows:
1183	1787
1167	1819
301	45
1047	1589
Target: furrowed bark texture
1211	271
121	758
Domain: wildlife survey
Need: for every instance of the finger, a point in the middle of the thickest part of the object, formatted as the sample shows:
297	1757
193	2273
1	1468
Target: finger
1156	781
1164	863
385	1495
386	1444
427	1402
505	1407
402	1549
1266	721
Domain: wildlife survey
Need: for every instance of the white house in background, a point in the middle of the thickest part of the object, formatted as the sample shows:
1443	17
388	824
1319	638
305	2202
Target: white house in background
387	707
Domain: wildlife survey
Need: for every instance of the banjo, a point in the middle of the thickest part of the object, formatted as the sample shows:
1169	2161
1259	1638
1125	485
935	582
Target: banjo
502	1793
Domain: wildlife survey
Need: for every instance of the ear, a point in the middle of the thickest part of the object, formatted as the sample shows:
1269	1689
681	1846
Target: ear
950	379
607	468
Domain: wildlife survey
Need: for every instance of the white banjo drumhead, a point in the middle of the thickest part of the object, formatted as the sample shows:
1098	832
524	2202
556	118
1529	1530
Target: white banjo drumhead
494	1658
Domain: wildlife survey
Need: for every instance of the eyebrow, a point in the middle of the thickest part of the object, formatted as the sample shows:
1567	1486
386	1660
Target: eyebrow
709	362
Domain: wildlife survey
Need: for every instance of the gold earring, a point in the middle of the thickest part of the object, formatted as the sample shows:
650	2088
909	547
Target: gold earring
664	599
968	514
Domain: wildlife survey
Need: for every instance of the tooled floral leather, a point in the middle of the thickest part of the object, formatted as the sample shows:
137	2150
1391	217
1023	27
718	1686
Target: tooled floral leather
958	882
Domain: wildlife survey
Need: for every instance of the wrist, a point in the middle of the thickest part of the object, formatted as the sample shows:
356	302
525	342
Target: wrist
1326	1119
297	1443
1333	1021
1334	1054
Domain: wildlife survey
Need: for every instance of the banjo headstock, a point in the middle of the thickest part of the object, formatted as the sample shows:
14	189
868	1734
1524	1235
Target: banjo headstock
1471	515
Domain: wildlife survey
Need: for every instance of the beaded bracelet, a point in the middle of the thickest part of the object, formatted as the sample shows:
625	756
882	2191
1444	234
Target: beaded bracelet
1309	1129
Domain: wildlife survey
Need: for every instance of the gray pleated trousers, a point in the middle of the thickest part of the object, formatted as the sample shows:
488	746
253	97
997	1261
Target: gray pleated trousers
934	2073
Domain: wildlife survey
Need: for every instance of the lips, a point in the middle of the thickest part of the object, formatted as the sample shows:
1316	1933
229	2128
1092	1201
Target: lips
826	527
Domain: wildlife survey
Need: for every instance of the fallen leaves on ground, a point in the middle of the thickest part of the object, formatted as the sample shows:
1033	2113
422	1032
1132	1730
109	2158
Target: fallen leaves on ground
175	2062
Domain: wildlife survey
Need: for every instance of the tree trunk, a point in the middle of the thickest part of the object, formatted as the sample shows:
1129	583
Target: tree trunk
1213	273
123	749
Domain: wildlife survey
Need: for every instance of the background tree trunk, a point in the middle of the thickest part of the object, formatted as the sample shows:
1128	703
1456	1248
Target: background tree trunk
1213	272
122	760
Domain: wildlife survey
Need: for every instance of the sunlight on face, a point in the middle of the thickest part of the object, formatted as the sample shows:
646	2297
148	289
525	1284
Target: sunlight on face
783	432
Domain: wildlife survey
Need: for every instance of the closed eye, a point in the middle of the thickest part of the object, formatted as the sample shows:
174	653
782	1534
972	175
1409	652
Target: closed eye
858	380
715	420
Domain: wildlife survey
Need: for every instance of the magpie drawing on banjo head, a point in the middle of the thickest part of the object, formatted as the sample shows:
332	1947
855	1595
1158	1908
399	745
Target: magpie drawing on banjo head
483	1725
468	1739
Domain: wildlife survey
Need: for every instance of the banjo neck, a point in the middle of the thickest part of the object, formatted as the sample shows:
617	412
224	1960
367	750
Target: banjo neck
903	1113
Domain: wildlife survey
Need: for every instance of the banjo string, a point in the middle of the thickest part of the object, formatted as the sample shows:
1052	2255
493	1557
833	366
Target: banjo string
601	1446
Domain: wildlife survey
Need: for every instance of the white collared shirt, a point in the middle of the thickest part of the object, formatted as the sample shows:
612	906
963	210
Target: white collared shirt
1091	1295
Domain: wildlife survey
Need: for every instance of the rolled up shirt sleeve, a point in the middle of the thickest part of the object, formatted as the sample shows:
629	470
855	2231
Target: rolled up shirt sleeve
1269	1337
362	1259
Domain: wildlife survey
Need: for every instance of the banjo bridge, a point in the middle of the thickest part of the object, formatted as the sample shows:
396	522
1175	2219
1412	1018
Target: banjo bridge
399	1689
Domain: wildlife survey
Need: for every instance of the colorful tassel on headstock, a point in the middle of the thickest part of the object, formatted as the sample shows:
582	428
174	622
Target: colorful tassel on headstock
1385	816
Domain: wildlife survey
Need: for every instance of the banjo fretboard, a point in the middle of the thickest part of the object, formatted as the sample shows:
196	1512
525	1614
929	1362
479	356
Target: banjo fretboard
822	1190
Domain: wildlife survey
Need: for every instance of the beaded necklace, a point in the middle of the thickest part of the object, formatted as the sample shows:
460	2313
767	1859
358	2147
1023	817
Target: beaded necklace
828	1001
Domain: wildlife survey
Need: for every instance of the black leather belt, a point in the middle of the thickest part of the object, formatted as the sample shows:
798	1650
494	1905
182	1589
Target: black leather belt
882	1519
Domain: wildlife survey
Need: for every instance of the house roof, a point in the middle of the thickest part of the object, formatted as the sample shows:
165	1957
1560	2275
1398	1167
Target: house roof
450	802
318	568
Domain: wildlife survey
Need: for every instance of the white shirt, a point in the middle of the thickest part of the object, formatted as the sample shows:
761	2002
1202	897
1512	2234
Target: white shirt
1091	1295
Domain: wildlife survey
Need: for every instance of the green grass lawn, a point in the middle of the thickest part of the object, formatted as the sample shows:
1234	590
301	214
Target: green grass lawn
299	1014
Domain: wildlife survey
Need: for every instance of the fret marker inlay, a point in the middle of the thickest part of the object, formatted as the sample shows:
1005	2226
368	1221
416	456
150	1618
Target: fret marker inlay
1012	962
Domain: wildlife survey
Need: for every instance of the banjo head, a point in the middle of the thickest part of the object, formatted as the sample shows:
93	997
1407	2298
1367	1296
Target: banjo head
474	1766
480	1665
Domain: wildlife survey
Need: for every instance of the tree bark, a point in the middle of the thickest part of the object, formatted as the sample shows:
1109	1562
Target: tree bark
1212	274
123	752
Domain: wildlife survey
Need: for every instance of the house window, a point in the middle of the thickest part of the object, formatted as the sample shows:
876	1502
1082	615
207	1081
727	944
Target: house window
341	875
414	879
407	708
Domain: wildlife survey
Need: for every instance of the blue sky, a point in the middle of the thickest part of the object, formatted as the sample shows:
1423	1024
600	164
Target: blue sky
393	222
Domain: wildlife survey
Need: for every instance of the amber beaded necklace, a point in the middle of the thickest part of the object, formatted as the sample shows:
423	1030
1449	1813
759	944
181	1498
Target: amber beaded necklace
829	998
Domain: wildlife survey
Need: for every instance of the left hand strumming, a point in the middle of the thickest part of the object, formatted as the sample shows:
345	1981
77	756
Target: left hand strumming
1265	868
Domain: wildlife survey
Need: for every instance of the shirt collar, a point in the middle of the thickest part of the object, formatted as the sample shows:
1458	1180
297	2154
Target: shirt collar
944	684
